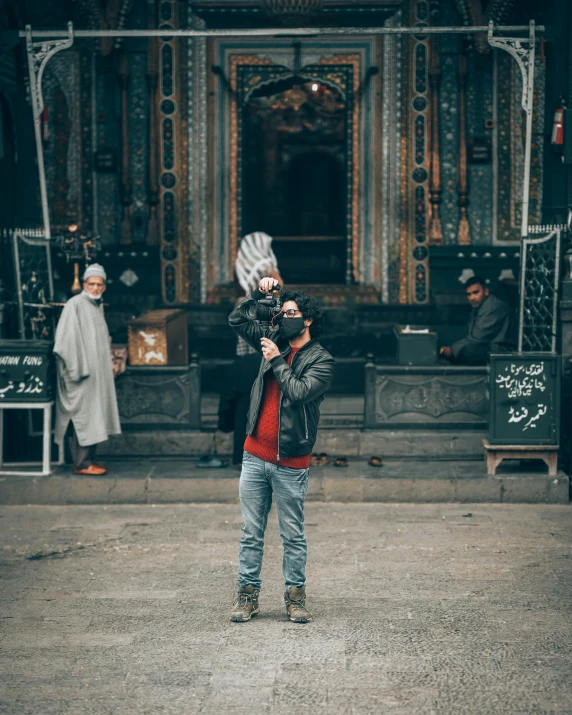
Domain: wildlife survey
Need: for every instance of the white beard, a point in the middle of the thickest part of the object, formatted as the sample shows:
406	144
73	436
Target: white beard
95	299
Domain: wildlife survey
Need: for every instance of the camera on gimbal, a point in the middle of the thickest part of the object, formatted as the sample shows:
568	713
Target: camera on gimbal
265	309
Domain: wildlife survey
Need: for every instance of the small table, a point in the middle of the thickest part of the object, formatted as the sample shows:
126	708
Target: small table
415	346
495	453
47	438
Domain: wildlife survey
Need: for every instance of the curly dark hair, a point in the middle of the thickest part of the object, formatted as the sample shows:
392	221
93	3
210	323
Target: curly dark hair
309	307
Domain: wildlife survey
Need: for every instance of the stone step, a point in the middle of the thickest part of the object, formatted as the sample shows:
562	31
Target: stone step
336	411
177	480
336	441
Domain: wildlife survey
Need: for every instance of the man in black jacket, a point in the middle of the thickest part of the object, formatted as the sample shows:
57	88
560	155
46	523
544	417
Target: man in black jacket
489	327
281	432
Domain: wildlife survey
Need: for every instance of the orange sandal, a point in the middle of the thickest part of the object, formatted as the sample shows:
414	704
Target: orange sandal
93	471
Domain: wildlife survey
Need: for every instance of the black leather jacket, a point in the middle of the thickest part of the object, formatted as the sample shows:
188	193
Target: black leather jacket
302	384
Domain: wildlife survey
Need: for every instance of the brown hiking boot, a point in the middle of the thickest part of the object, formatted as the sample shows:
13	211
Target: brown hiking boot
296	610
245	605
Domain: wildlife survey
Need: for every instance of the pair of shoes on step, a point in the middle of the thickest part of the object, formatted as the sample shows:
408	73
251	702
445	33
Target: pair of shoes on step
246	604
93	470
319	460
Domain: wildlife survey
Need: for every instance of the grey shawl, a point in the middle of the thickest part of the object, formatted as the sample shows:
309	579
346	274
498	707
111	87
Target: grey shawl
489	325
86	390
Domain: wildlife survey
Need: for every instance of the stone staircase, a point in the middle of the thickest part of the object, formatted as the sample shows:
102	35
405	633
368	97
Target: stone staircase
160	466
341	433
172	480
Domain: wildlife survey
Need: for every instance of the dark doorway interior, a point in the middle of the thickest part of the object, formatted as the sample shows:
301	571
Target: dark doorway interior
7	164
294	177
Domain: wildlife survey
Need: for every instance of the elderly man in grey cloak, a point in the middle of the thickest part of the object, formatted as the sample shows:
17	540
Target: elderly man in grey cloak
86	404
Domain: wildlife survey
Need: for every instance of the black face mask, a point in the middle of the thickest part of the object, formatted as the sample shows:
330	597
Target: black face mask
292	327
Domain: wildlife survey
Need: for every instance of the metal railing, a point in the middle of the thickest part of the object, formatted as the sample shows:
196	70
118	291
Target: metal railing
539	285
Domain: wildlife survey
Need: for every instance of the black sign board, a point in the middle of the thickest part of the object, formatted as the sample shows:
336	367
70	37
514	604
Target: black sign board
26	371
525	398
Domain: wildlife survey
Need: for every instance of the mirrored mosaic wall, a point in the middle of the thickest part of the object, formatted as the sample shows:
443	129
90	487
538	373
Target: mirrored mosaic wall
144	142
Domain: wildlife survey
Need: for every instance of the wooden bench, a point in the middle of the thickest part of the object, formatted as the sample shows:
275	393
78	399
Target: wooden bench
495	453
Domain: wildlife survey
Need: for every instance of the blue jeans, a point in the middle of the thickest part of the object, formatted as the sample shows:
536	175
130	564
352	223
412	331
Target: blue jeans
258	481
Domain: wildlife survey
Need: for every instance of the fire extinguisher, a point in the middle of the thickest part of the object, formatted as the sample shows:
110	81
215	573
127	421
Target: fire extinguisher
557	139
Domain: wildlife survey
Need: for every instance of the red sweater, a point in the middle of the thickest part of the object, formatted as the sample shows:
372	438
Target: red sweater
263	443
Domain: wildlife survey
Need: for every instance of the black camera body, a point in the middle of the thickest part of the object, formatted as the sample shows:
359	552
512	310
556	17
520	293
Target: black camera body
265	309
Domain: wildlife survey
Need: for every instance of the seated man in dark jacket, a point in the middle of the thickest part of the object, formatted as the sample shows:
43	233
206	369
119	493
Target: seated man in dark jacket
489	327
294	374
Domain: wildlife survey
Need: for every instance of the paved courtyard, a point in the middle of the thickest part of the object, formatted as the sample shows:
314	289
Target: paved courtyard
442	608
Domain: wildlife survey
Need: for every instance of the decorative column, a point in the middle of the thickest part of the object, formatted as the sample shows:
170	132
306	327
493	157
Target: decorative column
414	265
126	203
435	229
153	236
464	231
173	192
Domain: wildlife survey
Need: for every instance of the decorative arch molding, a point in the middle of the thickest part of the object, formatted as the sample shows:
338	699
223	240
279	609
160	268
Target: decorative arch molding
377	142
293	75
341	71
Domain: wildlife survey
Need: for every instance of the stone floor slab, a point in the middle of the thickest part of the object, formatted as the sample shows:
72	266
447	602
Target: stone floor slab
170	481
418	608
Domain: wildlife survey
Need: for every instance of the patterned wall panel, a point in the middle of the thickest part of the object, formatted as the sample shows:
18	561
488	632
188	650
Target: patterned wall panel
173	162
87	149
414	277
138	144
392	112
449	140
479	101
63	138
107	140
508	160
449	123
195	138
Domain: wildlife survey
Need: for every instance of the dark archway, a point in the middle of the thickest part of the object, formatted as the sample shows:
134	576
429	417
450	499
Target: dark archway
294	177
316	201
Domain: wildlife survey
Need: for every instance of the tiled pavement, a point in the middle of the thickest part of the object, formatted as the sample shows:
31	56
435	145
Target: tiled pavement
443	609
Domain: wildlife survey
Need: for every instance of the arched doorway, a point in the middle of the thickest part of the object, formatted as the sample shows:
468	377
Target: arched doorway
316	194
294	177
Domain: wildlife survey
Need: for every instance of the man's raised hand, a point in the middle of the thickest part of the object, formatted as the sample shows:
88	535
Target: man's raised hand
266	284
269	349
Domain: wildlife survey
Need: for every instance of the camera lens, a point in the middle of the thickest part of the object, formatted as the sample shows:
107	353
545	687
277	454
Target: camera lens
263	313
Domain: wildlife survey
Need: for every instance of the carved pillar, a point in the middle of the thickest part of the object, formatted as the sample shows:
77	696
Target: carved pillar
417	143
153	236
435	229
123	76
464	232
173	158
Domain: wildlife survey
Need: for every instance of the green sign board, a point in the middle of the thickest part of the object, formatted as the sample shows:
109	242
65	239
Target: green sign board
525	398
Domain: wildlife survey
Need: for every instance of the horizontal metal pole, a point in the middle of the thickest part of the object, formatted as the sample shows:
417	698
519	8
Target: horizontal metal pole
282	31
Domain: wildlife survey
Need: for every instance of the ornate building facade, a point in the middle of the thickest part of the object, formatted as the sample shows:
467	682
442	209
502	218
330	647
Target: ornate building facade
370	158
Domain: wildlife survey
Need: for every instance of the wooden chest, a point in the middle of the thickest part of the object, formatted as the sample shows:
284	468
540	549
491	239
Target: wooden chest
159	338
